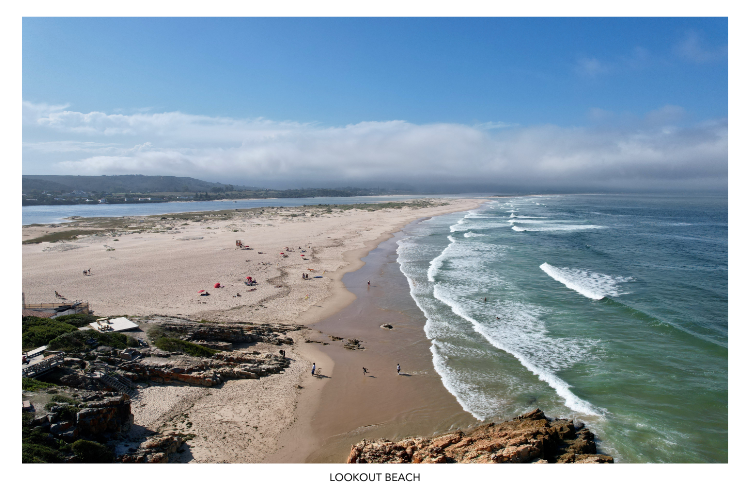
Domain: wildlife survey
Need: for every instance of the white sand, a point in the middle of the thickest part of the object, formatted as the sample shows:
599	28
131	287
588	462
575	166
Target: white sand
161	273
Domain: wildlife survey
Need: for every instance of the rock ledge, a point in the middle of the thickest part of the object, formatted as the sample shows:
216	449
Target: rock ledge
529	438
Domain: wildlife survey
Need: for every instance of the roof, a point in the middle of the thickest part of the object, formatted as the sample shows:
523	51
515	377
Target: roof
117	324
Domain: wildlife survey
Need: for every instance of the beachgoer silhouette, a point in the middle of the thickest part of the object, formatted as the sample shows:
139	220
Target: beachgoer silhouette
89	272
283	353
364	371
398	369
313	369
485	300
368	283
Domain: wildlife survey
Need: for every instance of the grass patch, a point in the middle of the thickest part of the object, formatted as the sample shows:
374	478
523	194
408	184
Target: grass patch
31	384
85	340
63	399
189	348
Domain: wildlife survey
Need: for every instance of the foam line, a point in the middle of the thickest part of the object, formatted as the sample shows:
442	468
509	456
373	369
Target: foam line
561	387
589	284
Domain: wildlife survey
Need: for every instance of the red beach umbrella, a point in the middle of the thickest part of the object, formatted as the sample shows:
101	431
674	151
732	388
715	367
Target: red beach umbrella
202	291
217	285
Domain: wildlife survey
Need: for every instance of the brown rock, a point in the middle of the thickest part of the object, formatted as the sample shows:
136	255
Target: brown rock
527	438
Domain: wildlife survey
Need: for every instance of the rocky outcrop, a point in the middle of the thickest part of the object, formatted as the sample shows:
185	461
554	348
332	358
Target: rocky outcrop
155	449
529	438
205	372
232	332
109	415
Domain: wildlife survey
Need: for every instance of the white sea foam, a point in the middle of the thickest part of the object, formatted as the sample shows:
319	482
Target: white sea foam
437	262
590	284
470	235
516	342
539	226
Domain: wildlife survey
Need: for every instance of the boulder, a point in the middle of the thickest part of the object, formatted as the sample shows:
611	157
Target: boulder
528	438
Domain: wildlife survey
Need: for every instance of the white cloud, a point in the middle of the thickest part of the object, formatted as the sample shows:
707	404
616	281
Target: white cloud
295	154
590	67
693	48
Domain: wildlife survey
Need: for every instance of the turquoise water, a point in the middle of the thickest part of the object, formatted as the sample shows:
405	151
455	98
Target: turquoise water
607	309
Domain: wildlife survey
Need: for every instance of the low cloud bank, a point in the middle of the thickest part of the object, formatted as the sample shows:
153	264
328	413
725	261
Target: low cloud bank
655	152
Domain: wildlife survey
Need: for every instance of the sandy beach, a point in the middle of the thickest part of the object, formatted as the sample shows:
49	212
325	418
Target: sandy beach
157	265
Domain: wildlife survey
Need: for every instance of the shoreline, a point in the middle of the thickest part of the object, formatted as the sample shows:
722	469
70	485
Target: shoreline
349	406
158	273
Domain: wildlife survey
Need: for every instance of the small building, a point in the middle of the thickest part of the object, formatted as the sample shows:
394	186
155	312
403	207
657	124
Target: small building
111	325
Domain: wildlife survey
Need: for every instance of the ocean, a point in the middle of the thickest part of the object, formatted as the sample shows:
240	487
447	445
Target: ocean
608	309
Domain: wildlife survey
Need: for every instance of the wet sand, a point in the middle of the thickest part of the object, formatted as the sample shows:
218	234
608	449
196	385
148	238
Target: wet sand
353	406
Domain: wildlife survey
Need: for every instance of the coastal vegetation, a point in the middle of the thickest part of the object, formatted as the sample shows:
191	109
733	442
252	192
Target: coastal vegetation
91	452
84	340
36	332
37	446
135	189
166	340
31	384
113	227
177	345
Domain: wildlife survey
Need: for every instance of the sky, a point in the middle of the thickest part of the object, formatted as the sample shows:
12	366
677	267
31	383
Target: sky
534	104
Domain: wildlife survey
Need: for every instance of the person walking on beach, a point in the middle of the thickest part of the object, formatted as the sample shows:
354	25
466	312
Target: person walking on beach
398	369
368	284
313	370
364	371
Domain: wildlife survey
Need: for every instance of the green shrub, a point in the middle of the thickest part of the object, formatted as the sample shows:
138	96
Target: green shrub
189	348
37	453
132	342
91	452
37	332
37	446
31	384
66	412
76	341
78	320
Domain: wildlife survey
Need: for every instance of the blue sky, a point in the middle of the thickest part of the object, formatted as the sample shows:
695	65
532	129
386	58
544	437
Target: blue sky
136	95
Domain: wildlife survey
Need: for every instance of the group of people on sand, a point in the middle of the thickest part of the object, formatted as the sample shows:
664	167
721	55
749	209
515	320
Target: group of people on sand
86	272
364	370
305	275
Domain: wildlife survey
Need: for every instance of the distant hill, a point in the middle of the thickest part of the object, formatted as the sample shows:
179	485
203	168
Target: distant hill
32	183
119	183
